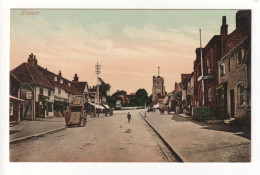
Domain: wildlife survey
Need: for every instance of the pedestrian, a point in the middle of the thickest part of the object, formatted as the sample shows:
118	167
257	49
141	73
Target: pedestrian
129	117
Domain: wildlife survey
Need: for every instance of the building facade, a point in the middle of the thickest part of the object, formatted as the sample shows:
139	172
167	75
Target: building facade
215	49
233	95
42	90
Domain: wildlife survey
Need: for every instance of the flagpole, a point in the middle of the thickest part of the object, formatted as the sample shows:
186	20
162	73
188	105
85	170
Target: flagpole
202	81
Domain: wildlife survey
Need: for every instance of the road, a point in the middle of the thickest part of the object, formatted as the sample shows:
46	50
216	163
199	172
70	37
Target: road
104	139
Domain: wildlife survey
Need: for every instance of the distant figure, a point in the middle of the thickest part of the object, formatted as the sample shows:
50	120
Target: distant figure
129	117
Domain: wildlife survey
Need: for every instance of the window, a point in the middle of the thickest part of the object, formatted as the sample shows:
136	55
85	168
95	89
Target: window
209	94
240	56
55	78
49	92
11	108
208	66
222	70
59	91
41	91
69	84
241	94
61	81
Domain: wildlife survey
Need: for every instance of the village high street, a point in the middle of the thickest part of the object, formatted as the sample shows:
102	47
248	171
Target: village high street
113	139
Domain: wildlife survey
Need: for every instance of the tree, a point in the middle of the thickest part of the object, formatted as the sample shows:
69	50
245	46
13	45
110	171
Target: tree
141	97
104	87
111	100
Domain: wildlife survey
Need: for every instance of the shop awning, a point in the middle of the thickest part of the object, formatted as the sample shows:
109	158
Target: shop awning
106	106
96	106
156	105
15	98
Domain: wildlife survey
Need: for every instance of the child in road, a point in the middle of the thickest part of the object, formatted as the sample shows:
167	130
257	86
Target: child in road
129	117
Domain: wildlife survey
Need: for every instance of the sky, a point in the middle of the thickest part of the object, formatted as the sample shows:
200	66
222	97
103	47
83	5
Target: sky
128	44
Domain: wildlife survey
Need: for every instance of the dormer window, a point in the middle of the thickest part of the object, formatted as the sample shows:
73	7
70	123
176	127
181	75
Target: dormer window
55	78
69	84
61	81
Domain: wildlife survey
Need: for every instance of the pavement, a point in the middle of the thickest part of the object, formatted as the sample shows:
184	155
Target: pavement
196	141
28	129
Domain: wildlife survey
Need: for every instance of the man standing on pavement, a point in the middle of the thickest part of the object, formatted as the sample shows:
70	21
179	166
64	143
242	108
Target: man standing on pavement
129	117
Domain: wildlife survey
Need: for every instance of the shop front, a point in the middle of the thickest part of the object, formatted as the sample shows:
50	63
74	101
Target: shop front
44	107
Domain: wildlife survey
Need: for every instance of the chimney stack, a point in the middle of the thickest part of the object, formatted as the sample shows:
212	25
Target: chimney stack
224	27
223	33
76	78
60	73
32	60
243	20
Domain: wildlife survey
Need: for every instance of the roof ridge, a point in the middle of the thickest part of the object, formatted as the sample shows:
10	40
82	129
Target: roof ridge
15	77
26	65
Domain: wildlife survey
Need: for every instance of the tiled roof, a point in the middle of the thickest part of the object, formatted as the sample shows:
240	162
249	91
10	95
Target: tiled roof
185	79
29	74
80	86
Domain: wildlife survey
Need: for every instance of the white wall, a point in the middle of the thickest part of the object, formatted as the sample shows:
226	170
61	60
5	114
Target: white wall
63	93
45	93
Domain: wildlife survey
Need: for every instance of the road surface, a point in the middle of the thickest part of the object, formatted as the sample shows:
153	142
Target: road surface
104	139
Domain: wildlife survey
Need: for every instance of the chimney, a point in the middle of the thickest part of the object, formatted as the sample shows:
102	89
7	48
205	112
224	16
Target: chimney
224	27
32	60
223	33
243	20
76	78
60	73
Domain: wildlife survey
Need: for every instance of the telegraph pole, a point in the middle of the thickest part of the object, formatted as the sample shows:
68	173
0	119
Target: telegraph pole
202	81
98	71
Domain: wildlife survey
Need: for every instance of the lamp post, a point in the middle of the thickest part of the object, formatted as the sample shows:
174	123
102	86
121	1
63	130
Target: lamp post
202	81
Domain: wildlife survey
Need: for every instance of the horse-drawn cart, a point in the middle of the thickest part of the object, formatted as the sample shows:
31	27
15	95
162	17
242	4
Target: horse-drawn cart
76	114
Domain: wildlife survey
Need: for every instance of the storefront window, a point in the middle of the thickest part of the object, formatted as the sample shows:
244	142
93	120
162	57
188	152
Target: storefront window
221	97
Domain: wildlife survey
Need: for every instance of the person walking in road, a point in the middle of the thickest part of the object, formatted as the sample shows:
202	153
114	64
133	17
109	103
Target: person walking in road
129	117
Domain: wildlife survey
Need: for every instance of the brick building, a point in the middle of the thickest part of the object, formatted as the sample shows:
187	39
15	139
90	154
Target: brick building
233	95
215	49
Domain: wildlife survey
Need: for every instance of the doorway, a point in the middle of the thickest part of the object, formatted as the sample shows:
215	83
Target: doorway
232	103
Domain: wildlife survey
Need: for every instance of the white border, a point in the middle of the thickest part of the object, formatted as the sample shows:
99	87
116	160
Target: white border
125	168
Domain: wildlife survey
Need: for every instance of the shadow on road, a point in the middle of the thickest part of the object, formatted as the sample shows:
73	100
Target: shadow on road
239	131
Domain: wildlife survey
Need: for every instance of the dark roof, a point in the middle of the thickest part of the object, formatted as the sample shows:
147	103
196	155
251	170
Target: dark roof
80	86
29	74
65	85
185	79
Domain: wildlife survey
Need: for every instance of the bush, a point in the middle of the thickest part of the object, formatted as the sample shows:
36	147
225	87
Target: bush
203	113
